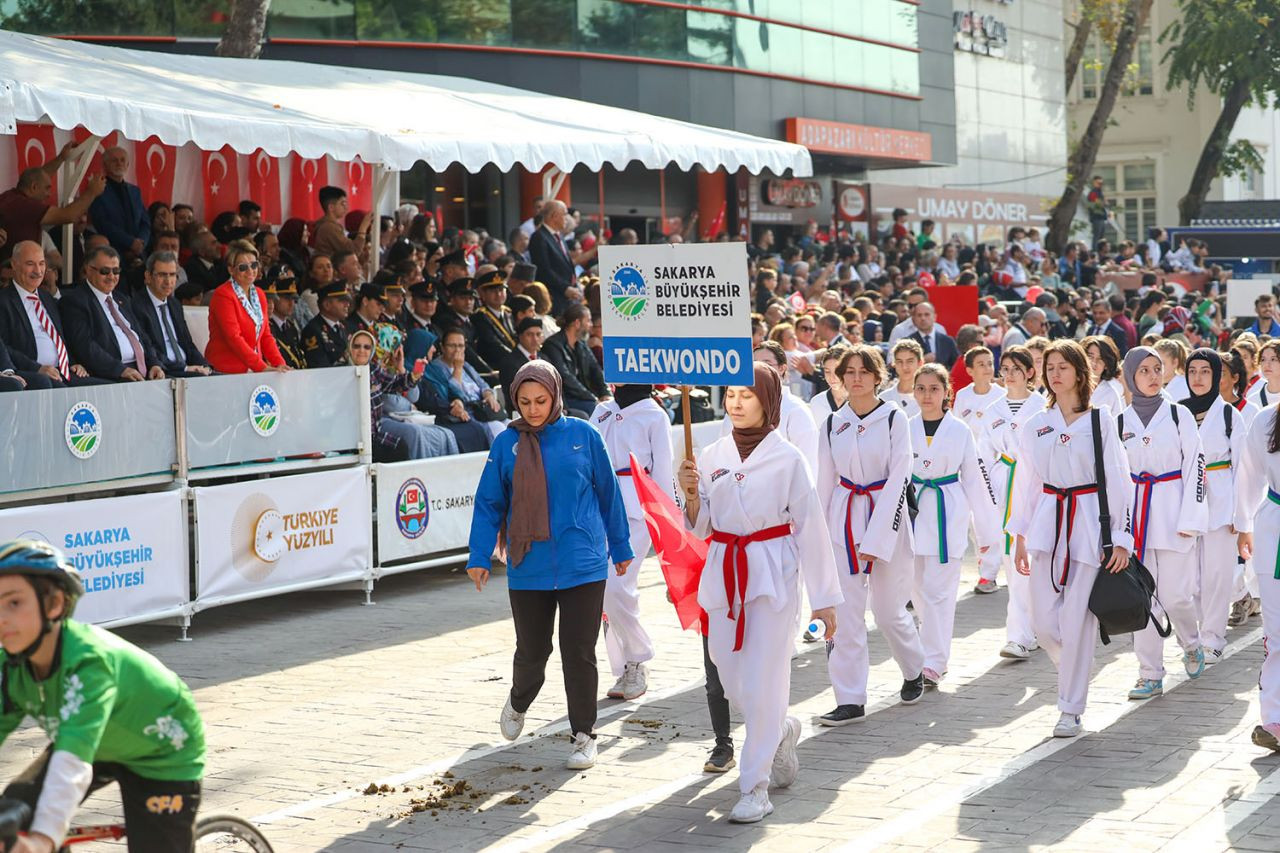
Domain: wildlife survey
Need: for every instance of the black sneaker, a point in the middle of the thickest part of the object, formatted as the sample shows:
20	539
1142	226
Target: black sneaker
912	689
843	715
721	759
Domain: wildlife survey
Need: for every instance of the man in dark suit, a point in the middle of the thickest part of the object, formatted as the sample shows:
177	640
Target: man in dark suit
937	345
31	324
102	330
205	267
161	321
495	327
1103	324
527	349
119	212
551	256
580	373
12	379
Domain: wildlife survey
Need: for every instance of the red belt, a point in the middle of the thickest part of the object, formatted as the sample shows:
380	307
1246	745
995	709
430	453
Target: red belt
1066	502
626	472
735	569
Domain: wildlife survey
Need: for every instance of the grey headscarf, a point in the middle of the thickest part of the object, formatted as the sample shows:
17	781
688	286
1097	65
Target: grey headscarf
1145	405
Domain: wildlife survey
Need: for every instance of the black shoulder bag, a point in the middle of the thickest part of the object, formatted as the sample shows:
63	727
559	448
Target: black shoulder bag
1121	601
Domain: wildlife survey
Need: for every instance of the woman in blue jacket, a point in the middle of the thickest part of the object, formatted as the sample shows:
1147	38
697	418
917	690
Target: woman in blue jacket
549	496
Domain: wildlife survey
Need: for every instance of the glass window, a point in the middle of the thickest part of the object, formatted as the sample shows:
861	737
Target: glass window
319	19
200	18
1139	176
544	23
1097	55
710	38
123	17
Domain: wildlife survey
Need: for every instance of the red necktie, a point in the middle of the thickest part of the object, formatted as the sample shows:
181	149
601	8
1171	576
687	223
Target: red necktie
139	357
45	323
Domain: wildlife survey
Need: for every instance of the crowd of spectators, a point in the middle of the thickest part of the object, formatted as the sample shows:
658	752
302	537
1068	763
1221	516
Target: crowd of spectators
451	314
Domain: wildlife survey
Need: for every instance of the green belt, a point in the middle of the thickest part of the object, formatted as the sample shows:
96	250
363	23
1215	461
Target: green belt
937	485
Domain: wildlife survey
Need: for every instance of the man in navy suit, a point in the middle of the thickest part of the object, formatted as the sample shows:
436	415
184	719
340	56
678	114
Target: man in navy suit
31	324
1103	324
102	330
160	319
937	345
551	256
119	212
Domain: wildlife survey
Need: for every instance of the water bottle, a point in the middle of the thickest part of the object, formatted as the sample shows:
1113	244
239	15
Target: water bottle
817	629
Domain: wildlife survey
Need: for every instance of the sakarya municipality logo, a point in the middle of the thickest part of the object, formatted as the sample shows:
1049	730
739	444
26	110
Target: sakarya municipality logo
628	292
264	410
83	430
412	512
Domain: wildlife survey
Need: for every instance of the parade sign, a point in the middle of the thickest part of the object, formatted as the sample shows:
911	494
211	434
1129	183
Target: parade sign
131	551
676	314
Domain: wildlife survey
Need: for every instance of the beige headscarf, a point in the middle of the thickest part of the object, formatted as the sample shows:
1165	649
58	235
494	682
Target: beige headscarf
530	517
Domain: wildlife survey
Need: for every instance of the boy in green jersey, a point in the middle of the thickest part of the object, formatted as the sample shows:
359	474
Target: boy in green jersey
112	711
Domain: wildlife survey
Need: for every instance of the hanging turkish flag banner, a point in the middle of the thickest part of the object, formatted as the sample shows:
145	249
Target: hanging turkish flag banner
308	178
35	148
264	185
221	182
156	166
359	185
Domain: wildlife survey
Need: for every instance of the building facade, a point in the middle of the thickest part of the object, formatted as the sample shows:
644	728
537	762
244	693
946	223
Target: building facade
1151	148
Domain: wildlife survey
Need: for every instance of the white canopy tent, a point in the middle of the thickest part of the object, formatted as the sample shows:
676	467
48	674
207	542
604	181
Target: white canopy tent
388	119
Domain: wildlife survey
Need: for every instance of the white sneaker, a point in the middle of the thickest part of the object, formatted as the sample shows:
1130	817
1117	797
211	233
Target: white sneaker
510	721
618	689
635	681
753	806
1034	647
786	761
1068	725
1015	651
584	753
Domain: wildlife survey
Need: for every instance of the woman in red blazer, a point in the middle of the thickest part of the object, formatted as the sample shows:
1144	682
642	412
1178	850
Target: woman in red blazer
240	339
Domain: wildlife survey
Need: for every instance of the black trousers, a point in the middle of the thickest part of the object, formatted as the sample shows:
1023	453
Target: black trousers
34	381
534	613
160	816
717	705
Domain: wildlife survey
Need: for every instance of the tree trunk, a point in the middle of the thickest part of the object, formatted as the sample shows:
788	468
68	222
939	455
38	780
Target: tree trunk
247	23
1211	155
1076	53
1080	164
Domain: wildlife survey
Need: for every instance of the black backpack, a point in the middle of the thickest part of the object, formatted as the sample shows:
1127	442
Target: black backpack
913	508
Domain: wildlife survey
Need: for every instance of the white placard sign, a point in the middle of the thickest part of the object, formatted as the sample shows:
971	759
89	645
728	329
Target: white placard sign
424	506
676	314
131	551
1241	294
258	536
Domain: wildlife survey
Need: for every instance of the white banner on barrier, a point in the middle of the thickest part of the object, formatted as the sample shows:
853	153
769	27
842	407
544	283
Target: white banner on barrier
424	506
263	535
131	551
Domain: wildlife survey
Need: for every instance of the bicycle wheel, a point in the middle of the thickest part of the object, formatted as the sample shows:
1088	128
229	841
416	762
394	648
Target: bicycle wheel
229	834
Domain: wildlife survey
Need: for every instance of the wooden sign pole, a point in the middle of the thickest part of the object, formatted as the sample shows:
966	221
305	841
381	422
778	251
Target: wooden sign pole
688	423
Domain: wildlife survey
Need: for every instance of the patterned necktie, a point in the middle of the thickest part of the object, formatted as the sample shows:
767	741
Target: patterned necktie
139	358
45	323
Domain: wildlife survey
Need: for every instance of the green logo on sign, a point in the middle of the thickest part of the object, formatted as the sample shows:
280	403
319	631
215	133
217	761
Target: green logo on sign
627	292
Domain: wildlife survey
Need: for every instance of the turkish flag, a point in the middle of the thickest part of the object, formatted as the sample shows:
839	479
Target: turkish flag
264	185
681	554
359	184
221	174
308	178
797	301
156	165
35	148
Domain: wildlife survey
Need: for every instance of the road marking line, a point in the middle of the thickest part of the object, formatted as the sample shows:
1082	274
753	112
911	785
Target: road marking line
462	756
940	802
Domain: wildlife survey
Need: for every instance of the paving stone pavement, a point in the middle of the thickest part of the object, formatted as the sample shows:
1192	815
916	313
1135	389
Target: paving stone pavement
308	699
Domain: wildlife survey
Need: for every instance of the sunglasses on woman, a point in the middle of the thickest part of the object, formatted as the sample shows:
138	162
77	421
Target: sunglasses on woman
252	265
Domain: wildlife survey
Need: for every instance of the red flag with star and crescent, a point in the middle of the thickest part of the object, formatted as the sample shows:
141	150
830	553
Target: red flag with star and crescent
681	553
156	165
35	147
264	185
308	177
221	174
358	184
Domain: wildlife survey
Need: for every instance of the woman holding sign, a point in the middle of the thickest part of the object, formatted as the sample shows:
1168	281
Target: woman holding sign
549	495
753	494
632	424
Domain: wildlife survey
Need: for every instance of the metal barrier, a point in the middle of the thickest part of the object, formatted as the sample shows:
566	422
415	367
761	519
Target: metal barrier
268	417
87	439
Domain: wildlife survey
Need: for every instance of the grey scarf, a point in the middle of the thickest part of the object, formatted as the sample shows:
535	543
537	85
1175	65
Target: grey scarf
1145	405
